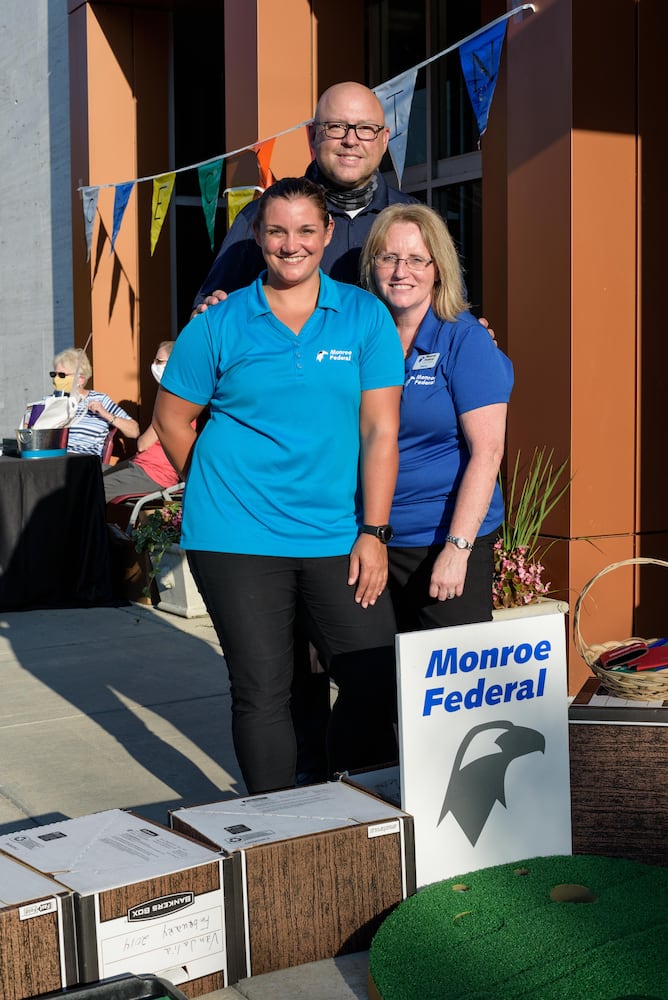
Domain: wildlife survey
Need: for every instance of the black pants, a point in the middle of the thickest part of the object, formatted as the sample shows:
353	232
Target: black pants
410	573
310	699
253	601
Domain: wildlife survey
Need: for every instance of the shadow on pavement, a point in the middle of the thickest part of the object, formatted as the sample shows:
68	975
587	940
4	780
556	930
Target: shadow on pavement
109	707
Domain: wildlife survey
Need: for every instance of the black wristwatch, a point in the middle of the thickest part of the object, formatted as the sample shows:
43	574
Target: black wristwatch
383	532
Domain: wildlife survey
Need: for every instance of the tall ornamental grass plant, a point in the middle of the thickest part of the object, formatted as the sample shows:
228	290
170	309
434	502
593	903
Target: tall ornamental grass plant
518	570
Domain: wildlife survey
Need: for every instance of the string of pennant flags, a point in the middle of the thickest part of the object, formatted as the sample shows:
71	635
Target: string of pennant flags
479	54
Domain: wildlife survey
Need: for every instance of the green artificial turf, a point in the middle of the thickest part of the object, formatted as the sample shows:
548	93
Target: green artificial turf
503	937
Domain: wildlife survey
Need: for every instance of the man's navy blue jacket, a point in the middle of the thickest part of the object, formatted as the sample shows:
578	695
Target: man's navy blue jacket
239	260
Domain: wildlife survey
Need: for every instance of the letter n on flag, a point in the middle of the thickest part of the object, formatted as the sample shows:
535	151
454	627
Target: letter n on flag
480	65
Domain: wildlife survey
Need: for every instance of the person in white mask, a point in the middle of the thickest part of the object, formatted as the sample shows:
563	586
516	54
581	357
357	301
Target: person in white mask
150	469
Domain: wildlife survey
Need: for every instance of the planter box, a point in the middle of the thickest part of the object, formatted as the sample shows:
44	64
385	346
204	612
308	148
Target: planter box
177	589
545	606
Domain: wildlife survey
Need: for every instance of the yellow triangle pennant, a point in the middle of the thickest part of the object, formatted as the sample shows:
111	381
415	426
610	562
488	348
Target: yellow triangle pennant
162	193
238	198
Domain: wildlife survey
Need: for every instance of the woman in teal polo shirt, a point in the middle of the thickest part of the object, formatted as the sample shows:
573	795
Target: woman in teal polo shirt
302	376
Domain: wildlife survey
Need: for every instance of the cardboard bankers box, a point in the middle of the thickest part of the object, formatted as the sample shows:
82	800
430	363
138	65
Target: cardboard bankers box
37	945
316	869
147	900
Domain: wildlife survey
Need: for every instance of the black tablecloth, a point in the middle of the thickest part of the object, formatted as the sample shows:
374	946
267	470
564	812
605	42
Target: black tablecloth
54	547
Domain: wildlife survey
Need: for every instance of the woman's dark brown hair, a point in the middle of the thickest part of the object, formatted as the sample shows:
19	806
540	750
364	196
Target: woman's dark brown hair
291	188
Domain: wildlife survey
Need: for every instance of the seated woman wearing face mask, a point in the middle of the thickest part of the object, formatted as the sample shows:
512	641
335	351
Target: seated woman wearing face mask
150	469
96	413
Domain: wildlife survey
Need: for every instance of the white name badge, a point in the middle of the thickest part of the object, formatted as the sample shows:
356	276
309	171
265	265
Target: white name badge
426	361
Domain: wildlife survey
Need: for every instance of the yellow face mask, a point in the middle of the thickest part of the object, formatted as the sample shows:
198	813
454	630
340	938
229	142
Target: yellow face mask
62	382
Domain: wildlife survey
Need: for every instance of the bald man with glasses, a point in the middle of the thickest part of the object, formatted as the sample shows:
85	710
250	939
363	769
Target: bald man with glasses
348	138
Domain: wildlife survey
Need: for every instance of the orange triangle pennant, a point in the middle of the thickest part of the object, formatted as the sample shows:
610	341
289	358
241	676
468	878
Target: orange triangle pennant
264	152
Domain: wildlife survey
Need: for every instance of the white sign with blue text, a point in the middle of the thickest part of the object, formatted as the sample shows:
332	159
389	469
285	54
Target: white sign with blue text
483	741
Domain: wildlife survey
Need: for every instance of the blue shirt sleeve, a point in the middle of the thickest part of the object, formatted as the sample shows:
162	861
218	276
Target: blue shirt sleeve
193	365
477	371
383	356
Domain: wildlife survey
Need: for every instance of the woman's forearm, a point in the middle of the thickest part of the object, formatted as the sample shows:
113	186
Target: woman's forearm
127	426
484	430
474	495
380	464
177	443
173	419
379	452
147	439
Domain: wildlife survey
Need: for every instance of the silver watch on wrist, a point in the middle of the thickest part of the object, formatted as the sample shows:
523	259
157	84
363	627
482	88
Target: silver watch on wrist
461	543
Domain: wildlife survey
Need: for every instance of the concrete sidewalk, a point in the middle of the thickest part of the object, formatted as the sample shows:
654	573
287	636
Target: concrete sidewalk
128	707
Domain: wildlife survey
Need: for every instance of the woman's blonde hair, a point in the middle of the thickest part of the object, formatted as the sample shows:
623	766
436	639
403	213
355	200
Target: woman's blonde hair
71	358
447	297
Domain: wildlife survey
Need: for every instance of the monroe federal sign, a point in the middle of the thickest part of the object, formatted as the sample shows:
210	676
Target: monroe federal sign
483	734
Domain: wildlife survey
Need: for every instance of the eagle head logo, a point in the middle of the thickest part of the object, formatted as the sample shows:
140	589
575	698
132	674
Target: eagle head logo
478	774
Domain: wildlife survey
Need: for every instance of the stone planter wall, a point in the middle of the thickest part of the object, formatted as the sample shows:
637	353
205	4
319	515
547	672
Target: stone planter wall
176	587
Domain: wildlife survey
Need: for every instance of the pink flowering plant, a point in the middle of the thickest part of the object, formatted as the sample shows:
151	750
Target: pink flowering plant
517	580
518	570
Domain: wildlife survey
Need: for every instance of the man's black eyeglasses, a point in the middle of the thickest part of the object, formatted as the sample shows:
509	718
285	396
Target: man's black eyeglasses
339	130
58	375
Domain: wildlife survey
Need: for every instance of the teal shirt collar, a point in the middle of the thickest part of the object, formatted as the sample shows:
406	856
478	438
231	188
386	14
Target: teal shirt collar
328	297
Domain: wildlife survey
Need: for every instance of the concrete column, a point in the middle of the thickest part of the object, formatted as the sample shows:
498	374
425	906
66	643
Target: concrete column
35	241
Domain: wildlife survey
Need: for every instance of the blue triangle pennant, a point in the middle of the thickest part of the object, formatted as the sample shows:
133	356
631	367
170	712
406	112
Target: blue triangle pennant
121	198
480	65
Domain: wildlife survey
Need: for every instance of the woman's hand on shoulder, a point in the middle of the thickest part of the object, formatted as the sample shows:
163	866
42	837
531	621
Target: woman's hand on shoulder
485	323
211	300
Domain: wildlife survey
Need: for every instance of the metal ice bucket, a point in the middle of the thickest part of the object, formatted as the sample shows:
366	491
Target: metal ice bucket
42	442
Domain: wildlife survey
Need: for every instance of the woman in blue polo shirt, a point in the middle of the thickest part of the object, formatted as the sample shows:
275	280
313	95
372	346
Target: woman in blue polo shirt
302	376
447	506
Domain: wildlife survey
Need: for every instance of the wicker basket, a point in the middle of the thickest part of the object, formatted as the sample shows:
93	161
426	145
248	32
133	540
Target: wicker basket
644	686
